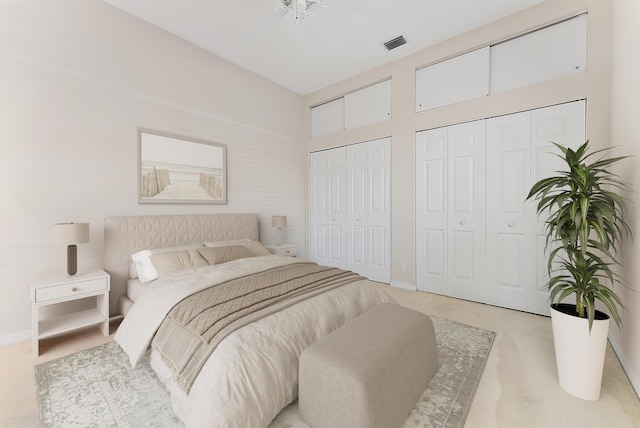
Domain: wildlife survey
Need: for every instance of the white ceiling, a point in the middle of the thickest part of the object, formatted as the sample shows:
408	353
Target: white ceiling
344	40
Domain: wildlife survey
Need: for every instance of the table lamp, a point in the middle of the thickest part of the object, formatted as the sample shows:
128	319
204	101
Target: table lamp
71	234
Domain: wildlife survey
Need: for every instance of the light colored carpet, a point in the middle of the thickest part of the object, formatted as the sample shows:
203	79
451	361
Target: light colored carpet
98	387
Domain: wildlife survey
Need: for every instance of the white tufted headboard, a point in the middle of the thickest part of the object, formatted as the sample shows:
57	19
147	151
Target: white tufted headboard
125	235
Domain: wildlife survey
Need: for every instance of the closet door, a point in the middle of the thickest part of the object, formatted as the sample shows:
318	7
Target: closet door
379	210
508	219
368	209
328	208
450	210
357	210
563	124
466	210
431	211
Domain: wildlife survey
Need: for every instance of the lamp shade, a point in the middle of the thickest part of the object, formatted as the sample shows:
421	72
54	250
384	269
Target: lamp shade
70	233
279	221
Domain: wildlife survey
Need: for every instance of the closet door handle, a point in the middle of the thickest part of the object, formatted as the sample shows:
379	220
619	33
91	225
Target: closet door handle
511	224
462	222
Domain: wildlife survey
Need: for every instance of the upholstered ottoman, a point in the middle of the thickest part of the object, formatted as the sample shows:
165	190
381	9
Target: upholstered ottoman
370	372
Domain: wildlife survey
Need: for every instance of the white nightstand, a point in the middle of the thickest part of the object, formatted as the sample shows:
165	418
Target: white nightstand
64	288
283	249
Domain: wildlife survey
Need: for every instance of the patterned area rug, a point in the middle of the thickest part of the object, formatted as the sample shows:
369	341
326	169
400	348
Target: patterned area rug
98	387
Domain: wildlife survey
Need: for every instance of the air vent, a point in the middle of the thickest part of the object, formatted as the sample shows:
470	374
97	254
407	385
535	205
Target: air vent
395	42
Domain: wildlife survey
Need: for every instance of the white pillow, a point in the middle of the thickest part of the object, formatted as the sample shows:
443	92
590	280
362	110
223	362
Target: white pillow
144	268
254	246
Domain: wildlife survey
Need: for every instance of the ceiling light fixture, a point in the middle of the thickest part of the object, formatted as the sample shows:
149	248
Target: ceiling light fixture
301	8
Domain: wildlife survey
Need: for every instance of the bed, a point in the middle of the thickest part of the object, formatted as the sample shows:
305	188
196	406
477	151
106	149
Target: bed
246	373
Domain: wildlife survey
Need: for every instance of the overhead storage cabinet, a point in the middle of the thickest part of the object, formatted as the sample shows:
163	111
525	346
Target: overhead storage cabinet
368	105
457	79
550	53
363	107
327	118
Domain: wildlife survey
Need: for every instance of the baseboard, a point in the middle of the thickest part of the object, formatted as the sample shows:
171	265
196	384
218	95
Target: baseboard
15	338
404	286
625	366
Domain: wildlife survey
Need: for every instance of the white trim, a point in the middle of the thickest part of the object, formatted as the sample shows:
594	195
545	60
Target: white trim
625	365
401	285
15	337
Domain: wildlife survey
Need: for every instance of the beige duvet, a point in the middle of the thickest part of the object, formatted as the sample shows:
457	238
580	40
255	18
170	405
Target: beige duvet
252	374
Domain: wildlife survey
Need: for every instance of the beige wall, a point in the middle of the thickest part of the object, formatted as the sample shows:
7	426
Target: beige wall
625	135
77	78
595	85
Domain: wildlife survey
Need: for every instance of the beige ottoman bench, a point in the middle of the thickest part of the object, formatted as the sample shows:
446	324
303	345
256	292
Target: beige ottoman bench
370	372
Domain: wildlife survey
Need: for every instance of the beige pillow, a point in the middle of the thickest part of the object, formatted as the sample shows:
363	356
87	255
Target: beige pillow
144	268
218	255
254	246
165	263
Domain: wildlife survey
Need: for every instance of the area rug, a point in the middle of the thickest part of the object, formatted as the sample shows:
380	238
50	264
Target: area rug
98	387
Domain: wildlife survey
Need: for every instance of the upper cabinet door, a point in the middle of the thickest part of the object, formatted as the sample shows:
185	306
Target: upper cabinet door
368	105
327	118
550	53
457	79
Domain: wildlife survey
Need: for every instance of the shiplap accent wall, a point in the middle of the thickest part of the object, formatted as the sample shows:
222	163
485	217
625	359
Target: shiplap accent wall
69	135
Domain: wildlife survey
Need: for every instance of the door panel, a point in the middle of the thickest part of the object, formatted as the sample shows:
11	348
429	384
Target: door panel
328	218
466	210
450	210
431	211
379	210
508	183
563	124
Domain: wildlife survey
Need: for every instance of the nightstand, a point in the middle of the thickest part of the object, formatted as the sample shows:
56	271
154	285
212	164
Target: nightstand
283	249
64	288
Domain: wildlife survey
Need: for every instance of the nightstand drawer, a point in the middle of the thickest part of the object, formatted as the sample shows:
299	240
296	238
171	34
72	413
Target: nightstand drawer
287	251
70	290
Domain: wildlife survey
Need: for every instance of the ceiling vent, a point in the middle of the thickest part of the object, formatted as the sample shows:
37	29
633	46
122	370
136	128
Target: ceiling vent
395	42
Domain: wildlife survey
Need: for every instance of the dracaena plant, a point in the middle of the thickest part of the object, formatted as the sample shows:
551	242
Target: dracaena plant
585	225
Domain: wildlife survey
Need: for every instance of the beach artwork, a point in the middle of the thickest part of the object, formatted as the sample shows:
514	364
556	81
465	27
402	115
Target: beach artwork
176	169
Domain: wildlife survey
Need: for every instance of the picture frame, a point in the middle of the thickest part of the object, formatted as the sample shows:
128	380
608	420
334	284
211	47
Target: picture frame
174	169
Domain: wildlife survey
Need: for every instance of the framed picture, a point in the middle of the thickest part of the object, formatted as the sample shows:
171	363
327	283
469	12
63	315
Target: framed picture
180	170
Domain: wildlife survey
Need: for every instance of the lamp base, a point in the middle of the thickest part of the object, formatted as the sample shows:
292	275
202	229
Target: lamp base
72	259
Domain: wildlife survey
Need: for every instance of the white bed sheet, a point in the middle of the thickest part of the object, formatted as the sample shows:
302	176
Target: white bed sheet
253	373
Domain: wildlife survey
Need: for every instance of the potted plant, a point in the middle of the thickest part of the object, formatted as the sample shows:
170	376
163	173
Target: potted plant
585	224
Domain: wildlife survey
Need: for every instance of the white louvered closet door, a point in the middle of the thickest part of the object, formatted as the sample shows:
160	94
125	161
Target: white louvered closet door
450	210
328	208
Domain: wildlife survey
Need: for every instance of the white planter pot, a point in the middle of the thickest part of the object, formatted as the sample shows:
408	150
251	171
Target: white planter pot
579	355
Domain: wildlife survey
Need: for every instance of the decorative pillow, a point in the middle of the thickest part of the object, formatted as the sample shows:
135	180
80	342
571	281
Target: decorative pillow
144	268
254	246
218	255
165	263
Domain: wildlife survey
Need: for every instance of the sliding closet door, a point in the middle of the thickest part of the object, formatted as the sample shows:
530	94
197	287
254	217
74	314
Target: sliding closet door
508	219
368	209
328	208
450	210
563	124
